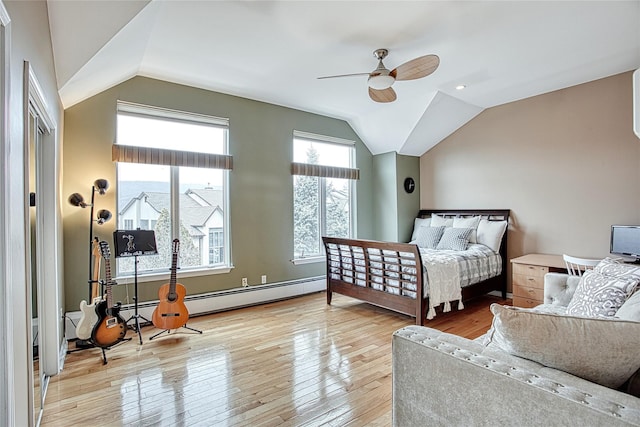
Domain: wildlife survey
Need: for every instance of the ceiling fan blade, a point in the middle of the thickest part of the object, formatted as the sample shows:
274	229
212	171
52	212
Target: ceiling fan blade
343	75
384	95
416	68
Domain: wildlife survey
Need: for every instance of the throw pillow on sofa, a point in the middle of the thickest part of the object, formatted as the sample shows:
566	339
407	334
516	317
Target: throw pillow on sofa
630	310
604	351
600	295
612	267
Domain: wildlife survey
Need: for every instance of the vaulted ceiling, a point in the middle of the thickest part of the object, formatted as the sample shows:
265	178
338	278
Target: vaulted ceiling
273	51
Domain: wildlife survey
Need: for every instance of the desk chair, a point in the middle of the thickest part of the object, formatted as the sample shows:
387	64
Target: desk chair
575	266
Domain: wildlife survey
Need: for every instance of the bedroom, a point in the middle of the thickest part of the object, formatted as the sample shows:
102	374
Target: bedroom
564	165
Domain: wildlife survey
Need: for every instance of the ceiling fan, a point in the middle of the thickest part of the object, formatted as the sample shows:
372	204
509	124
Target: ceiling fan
381	79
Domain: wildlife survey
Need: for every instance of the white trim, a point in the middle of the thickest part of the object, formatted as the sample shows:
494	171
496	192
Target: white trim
36	97
167	113
298	134
157	275
636	102
309	260
7	366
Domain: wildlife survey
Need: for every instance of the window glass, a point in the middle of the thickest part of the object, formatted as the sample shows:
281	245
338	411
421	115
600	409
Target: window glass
321	206
145	192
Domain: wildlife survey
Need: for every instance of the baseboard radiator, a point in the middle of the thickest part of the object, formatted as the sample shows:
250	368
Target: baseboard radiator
215	302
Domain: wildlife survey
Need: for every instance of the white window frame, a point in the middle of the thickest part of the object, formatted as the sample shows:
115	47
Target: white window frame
322	196
182	116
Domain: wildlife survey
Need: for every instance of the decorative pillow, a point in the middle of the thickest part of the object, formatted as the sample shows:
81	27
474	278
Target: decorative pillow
456	239
630	310
612	267
490	233
603	351
428	237
417	223
439	221
470	222
598	295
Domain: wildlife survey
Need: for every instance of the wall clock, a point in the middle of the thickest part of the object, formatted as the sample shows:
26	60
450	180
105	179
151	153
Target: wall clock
409	185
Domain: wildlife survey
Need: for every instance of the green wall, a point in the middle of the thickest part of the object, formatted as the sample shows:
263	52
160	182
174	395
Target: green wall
394	209
408	204
261	185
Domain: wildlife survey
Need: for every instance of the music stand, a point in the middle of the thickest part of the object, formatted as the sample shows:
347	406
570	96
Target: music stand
135	243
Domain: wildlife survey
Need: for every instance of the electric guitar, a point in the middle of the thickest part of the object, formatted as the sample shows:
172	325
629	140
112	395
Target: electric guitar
89	315
110	328
171	313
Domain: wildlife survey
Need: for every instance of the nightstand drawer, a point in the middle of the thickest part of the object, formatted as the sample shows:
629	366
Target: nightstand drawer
528	293
528	281
525	302
529	270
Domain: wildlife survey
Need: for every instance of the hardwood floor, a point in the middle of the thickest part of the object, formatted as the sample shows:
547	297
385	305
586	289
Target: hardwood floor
290	363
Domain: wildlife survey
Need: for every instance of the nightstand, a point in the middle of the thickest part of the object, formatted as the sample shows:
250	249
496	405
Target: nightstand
528	277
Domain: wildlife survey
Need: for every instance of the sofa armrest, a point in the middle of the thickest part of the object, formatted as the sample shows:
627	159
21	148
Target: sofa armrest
559	288
441	379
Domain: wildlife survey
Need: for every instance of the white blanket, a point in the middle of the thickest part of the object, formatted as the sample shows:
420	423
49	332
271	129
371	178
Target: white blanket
444	281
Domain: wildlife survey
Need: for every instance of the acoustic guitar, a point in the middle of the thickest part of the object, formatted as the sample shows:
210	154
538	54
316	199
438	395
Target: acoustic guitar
89	316
110	328
171	313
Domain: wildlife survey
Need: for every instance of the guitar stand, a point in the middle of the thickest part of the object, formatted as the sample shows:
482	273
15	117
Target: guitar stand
104	354
168	331
136	316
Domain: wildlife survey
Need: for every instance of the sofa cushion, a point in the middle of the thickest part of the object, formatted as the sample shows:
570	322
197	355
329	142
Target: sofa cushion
600	295
604	351
630	310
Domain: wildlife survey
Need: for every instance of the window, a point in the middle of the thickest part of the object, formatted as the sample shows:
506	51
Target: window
323	191
216	246
172	175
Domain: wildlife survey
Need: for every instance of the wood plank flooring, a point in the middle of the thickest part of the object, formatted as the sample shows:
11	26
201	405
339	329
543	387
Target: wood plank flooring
298	362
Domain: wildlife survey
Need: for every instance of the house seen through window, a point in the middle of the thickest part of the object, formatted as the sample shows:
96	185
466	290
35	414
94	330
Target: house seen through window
181	202
322	205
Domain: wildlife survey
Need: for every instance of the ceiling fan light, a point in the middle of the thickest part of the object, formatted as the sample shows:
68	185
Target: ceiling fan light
381	81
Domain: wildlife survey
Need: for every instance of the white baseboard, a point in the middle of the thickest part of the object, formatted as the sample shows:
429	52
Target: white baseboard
217	301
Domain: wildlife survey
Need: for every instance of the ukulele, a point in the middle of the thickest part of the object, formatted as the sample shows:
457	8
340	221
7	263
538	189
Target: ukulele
110	328
89	315
171	313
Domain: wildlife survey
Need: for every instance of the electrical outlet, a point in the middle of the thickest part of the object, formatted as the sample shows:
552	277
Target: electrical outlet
264	279
244	282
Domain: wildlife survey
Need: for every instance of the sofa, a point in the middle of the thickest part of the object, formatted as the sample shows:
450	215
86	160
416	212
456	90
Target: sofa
498	379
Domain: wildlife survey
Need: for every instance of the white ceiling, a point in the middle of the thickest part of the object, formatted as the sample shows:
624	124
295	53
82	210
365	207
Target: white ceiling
273	51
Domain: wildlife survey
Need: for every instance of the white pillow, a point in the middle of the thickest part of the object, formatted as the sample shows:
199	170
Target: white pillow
440	221
490	233
417	223
599	295
630	310
603	351
469	222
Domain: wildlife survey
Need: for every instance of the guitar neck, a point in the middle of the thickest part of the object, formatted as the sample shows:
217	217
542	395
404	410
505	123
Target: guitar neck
107	273
173	279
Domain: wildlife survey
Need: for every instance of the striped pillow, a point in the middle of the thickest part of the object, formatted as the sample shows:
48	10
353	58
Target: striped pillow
456	239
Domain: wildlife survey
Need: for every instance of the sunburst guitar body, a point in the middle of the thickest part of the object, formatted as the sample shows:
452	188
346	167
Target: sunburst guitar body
171	313
111	328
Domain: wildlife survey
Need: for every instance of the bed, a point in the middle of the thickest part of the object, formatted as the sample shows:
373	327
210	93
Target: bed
394	275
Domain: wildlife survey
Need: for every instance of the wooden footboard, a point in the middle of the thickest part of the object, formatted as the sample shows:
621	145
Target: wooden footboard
381	273
390	275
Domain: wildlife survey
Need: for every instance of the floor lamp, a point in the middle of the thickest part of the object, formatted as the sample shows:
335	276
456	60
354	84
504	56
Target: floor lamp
76	199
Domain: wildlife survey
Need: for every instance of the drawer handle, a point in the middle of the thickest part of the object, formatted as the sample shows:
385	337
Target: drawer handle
531	279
